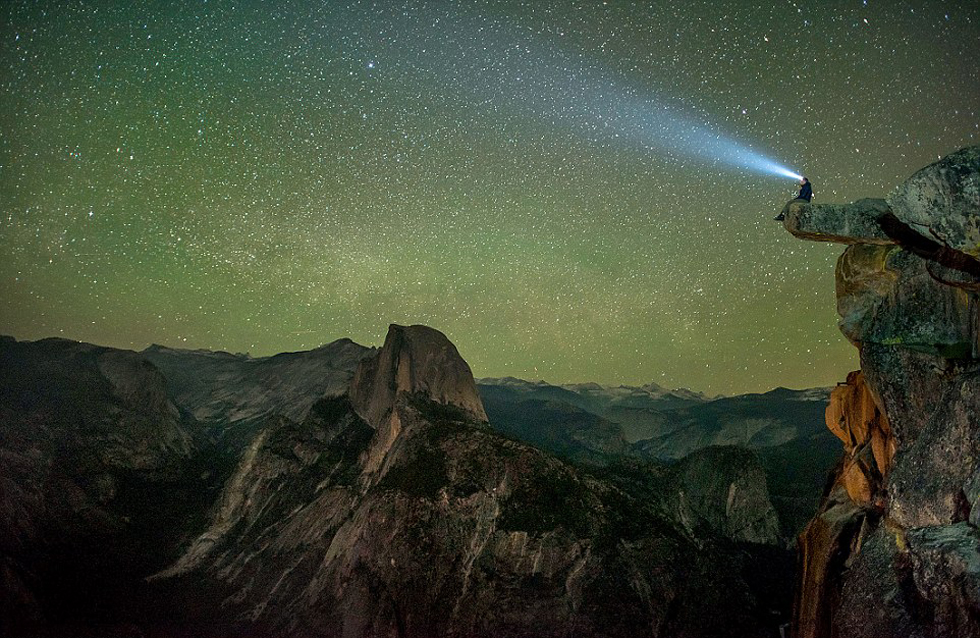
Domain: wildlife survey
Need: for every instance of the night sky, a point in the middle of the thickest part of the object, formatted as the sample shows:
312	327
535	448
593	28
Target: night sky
545	182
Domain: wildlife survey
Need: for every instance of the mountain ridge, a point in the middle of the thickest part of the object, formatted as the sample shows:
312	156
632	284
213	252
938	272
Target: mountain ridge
339	524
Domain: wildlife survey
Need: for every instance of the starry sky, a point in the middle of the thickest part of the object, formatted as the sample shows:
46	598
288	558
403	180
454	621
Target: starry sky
542	181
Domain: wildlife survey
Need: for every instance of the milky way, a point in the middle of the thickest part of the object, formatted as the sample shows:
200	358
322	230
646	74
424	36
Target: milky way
262	177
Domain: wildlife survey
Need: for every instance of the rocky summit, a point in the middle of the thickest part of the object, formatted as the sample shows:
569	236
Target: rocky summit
350	492
895	548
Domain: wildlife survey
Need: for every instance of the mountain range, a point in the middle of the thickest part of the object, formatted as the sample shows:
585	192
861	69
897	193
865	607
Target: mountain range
359	491
598	425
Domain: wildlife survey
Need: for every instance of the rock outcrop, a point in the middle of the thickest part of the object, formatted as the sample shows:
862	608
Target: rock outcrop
837	222
895	549
941	201
414	360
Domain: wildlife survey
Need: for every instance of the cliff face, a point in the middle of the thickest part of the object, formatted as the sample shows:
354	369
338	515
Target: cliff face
895	549
397	511
93	455
724	489
233	394
414	360
392	509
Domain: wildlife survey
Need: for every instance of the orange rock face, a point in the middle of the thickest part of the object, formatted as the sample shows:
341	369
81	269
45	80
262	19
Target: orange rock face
831	538
855	417
823	548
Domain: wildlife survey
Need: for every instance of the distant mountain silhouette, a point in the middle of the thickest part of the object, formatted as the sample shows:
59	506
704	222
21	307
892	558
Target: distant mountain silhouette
588	423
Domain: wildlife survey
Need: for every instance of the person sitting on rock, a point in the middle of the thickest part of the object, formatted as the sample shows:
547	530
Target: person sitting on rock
805	194
806	191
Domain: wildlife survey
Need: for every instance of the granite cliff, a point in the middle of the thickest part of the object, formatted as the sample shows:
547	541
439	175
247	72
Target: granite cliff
396	510
138	504
895	548
232	394
95	455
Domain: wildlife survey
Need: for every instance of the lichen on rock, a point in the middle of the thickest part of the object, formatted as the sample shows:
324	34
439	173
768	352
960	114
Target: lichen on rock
844	223
941	201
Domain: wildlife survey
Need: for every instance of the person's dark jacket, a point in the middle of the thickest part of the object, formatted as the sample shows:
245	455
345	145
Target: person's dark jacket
806	192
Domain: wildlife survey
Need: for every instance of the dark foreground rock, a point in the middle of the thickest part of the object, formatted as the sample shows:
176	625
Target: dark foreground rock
102	479
895	549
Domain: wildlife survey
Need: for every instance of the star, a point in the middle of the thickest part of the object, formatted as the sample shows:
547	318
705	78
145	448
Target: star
518	176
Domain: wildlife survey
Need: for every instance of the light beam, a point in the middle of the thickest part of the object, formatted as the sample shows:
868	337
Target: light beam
491	65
